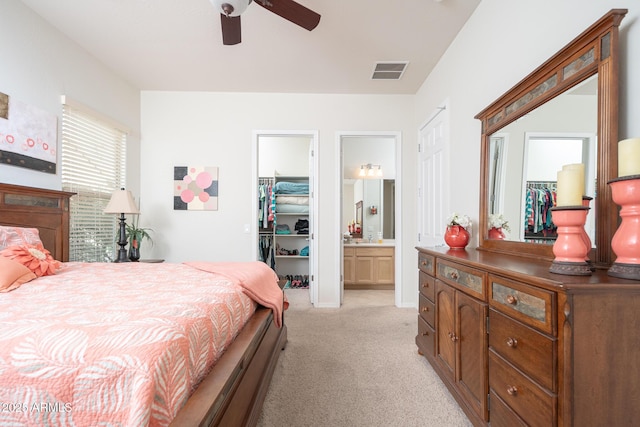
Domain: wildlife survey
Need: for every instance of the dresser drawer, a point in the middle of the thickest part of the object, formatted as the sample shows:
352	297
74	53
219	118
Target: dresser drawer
425	340
529	350
461	277
502	415
383	251
427	310
534	405
530	305
427	285
427	263
349	251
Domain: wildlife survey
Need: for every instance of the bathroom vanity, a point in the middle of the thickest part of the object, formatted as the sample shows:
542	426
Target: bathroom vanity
369	265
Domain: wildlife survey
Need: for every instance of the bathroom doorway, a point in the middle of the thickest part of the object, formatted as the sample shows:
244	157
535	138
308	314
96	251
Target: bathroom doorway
368	219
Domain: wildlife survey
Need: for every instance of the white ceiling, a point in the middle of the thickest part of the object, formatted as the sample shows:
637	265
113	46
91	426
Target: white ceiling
177	44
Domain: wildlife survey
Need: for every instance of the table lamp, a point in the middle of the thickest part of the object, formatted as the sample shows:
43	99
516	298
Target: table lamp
122	203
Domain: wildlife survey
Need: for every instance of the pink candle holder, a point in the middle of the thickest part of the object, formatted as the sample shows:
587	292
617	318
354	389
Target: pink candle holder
570	249
586	202
625	192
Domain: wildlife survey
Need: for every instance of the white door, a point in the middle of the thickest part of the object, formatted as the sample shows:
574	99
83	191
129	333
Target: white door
433	185
313	252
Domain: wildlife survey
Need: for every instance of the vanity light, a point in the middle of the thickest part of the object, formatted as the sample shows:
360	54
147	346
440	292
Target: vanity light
370	170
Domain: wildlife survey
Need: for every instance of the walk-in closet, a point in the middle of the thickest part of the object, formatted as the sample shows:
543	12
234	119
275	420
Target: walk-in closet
285	207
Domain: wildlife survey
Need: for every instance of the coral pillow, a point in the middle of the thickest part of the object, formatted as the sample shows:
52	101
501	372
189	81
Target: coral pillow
11	236
35	257
13	274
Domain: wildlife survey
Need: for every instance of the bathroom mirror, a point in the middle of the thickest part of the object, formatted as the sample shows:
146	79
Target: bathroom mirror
377	193
375	209
544	105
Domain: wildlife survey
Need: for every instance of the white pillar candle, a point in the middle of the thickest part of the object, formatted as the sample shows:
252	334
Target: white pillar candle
569	188
580	168
629	157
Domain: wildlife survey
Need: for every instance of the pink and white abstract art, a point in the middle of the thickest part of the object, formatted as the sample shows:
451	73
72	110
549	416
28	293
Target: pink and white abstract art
28	135
195	188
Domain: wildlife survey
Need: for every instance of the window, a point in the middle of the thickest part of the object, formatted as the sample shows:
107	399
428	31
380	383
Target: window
93	166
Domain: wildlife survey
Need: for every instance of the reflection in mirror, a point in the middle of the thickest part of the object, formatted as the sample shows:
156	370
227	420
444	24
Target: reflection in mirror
526	155
377	194
590	60
374	207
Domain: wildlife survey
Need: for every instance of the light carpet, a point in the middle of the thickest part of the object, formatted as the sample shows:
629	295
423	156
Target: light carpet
355	366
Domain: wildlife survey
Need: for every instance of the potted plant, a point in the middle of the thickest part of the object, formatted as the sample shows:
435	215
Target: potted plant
457	234
136	235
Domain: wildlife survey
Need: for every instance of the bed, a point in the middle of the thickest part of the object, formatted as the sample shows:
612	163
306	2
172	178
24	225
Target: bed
231	393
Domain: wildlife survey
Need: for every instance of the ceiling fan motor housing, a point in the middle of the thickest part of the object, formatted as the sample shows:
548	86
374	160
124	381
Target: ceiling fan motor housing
231	8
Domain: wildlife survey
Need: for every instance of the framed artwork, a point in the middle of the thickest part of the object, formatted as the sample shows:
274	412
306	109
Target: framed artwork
28	136
195	188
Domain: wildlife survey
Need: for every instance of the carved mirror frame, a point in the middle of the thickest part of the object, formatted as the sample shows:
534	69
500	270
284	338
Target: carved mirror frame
595	51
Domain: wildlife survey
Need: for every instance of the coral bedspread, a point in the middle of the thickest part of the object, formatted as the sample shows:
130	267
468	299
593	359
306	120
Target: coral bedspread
113	344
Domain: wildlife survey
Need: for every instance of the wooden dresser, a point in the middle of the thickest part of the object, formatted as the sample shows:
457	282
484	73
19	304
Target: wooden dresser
519	346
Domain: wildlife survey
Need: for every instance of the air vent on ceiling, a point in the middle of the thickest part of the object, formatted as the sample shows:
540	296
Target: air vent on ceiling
389	70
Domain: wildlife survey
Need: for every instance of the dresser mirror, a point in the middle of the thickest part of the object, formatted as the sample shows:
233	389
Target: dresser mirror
564	112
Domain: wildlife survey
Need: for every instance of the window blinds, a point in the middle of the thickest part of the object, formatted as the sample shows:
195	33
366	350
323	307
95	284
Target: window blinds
93	166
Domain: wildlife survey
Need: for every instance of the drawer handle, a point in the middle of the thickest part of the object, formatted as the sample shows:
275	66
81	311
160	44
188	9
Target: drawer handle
512	300
426	333
425	285
452	336
426	309
423	263
512	390
453	275
512	342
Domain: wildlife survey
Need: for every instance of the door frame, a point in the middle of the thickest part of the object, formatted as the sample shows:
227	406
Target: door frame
339	173
313	181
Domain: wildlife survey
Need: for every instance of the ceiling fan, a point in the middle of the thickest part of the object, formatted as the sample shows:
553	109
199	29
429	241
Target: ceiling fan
230	11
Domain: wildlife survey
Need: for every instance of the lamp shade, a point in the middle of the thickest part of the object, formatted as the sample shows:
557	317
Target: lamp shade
121	202
230	7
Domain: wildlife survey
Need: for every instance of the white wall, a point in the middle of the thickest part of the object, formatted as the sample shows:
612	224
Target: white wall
39	64
215	129
502	42
284	156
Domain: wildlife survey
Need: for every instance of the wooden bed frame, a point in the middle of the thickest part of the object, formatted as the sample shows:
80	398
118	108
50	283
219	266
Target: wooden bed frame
233	393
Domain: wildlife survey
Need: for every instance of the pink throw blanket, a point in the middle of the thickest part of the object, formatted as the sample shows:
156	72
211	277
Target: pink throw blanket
256	279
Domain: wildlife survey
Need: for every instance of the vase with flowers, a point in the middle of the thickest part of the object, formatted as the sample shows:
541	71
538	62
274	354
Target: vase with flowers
457	234
136	235
497	225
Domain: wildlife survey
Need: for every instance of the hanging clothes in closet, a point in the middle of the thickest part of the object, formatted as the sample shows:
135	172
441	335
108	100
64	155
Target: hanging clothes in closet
266	222
265	208
540	198
266	250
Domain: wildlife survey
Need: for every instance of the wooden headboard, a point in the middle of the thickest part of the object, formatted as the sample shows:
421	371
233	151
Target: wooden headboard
46	210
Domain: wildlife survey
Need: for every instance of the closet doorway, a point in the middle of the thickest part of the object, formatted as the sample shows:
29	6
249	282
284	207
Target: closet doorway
285	231
369	226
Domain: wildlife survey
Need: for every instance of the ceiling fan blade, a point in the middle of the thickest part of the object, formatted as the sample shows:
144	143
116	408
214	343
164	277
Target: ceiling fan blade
292	11
230	29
